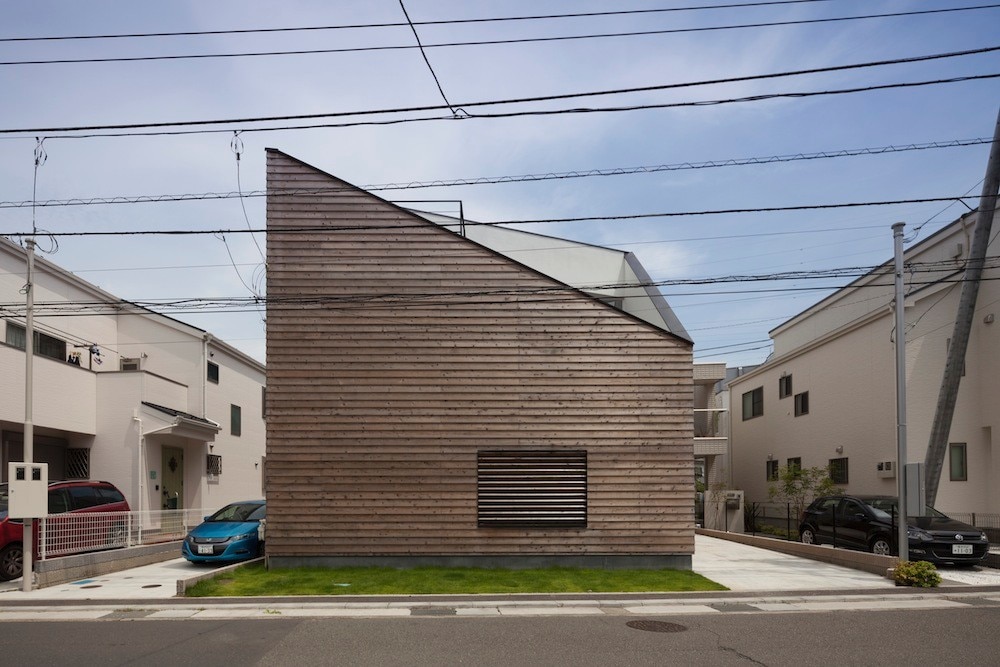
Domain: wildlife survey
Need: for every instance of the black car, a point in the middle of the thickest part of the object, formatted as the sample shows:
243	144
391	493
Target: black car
869	523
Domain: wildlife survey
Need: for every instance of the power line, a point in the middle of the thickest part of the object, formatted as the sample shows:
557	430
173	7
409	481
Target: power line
724	237
355	26
423	53
563	96
721	354
554	294
592	218
520	178
491	42
400	121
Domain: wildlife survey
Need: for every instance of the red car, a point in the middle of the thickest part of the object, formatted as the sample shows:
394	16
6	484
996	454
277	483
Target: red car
79	496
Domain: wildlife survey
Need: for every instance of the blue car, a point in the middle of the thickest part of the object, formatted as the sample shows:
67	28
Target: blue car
232	534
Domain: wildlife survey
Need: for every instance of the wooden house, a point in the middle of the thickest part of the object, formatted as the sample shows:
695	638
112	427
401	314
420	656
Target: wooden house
432	401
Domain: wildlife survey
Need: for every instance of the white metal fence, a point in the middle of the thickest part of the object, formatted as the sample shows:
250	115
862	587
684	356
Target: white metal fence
66	534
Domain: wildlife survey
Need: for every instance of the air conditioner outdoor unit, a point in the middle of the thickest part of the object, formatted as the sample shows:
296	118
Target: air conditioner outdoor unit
131	364
886	469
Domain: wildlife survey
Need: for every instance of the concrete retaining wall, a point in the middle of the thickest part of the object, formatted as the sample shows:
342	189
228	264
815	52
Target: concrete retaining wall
858	560
54	571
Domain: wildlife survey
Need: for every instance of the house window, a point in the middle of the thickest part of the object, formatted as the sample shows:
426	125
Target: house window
212	372
44	345
795	464
772	471
958	464
753	403
235	419
802	404
532	489
838	470
77	463
214	464
784	386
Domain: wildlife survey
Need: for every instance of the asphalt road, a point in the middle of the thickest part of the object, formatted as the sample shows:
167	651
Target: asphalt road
966	637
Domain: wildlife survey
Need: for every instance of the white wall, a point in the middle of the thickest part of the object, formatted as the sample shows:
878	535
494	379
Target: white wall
103	408
849	370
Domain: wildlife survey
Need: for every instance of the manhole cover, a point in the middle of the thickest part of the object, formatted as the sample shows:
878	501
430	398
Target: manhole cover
656	626
152	585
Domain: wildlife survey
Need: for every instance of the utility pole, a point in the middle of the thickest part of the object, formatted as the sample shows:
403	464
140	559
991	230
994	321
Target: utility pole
27	543
902	542
937	446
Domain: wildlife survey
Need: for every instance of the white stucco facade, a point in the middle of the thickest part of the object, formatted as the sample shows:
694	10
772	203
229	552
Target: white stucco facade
140	409
841	353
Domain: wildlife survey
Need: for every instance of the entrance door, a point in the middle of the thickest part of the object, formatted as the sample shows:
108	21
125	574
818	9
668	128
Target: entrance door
172	488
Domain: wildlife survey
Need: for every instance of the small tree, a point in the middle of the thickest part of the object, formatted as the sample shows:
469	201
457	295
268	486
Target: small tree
799	486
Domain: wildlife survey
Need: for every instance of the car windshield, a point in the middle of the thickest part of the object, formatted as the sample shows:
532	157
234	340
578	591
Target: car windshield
240	512
885	508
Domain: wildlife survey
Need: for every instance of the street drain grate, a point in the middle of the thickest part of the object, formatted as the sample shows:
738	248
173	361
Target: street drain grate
152	585
91	586
433	611
656	626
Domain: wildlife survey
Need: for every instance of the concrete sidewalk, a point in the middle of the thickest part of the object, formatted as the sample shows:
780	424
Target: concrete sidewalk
741	568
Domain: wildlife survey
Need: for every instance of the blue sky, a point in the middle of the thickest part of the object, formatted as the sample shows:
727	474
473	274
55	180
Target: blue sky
729	322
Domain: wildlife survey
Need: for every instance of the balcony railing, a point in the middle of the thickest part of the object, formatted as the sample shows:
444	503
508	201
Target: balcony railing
711	423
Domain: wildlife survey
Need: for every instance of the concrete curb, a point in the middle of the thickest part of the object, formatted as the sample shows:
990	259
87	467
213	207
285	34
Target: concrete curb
184	584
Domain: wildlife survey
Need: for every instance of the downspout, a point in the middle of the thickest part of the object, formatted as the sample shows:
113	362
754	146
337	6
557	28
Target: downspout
141	457
205	340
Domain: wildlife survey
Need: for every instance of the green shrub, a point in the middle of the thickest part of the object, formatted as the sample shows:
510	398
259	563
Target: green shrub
916	573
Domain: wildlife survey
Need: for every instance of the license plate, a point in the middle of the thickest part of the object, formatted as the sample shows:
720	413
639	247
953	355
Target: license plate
207	549
961	549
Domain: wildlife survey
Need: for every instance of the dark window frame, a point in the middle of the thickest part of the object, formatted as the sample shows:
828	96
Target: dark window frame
235	420
212	372
784	386
771	470
839	470
755	402
955	475
802	403
44	345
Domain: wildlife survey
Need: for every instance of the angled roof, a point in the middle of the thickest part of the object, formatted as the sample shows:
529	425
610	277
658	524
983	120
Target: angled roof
50	268
607	273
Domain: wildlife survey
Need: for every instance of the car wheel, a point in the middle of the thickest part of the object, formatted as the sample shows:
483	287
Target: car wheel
11	562
807	536
881	546
260	549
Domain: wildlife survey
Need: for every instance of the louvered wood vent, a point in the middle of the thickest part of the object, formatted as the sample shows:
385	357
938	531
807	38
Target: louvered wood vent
528	489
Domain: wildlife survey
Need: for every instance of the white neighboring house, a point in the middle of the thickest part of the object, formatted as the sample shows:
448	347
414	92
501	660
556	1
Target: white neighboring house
827	394
166	412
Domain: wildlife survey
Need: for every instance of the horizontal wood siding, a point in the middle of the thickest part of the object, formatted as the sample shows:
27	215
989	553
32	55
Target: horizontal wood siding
397	350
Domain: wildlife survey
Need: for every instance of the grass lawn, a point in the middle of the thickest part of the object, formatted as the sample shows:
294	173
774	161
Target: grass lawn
255	580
